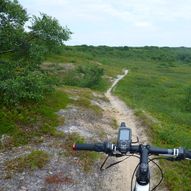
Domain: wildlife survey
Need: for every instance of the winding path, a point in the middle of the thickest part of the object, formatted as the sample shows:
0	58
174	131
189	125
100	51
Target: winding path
121	179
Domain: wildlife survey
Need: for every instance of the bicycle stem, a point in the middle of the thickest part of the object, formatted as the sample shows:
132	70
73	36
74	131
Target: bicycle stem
143	174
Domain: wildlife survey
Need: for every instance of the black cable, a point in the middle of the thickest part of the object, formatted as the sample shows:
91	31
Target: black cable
102	169
150	160
134	175
134	172
162	175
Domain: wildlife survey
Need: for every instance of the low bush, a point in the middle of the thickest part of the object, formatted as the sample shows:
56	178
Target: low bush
28	122
24	88
84	76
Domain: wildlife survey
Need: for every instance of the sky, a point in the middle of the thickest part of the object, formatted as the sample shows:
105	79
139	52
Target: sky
120	22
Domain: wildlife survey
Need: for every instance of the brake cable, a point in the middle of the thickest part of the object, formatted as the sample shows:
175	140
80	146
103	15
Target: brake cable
150	160
113	164
162	175
134	172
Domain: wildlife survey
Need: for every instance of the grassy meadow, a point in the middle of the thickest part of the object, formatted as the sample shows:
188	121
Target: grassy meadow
157	88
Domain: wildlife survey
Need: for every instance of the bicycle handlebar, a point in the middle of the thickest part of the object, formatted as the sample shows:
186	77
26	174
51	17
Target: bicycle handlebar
98	147
188	154
125	146
112	150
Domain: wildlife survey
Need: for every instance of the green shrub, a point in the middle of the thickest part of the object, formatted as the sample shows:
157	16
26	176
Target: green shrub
84	76
90	75
29	87
22	52
28	122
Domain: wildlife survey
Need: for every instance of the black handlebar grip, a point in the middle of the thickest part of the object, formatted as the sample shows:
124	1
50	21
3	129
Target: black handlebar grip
188	154
98	147
156	151
83	147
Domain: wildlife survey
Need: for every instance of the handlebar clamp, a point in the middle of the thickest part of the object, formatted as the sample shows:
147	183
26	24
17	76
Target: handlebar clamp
109	148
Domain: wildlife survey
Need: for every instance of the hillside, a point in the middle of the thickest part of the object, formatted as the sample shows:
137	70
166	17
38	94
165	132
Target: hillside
52	95
157	88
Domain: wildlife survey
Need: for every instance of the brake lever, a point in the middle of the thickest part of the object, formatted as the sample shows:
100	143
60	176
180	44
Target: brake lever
115	155
118	155
137	141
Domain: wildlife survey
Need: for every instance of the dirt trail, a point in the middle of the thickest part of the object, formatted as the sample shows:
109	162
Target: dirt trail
121	180
91	126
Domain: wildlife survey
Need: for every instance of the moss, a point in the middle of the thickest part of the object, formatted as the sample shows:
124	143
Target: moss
59	178
114	124
28	121
86	159
86	103
37	159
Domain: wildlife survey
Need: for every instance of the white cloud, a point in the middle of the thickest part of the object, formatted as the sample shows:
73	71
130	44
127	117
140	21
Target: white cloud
134	20
143	24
